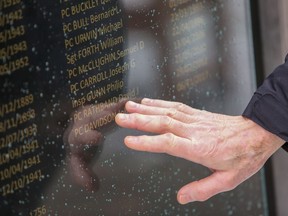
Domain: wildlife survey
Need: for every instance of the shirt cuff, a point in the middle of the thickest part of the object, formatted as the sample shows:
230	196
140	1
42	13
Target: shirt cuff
266	111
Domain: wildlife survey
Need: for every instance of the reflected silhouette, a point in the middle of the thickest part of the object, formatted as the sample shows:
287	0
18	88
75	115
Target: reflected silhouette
84	137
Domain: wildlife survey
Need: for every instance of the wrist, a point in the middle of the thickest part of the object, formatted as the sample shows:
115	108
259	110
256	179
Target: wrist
268	142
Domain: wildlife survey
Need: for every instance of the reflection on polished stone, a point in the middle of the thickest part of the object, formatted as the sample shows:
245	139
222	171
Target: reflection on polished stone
68	67
84	137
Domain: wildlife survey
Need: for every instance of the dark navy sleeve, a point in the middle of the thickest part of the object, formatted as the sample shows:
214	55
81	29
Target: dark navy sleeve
269	104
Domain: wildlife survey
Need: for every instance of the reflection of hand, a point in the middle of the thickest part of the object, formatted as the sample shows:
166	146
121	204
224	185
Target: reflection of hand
234	148
83	138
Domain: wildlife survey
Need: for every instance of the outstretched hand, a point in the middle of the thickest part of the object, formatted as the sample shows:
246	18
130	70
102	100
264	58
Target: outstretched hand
233	147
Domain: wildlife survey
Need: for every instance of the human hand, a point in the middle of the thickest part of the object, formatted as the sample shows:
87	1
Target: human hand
233	147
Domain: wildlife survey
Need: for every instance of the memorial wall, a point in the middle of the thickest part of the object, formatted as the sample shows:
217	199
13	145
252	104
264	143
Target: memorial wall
68	67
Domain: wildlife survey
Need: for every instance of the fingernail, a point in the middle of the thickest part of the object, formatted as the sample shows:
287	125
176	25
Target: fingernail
184	199
122	116
132	104
131	139
146	100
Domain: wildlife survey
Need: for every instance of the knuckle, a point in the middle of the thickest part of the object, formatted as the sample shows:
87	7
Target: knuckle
172	112
133	118
211	150
170	140
166	122
180	106
203	195
137	121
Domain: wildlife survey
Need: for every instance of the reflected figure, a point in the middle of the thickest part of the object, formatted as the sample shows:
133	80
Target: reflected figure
84	137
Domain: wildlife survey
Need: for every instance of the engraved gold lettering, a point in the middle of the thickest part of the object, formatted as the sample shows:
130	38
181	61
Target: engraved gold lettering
110	27
94	18
192	81
95	124
11	33
16	104
8	3
11	17
21	182
40	211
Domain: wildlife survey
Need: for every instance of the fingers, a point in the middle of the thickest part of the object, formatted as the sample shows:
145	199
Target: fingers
153	124
166	143
133	107
175	110
205	188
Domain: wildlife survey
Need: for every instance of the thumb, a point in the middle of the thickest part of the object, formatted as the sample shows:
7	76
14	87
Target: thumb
204	189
